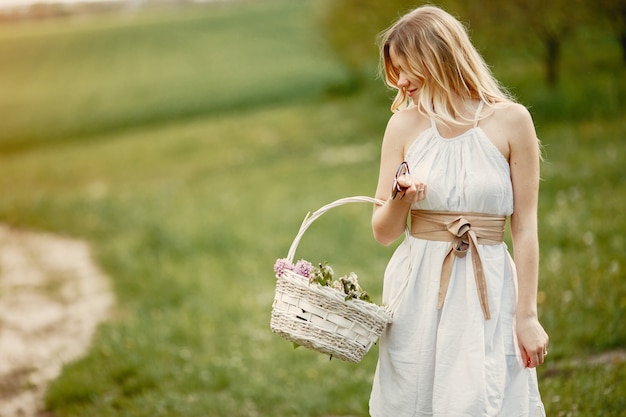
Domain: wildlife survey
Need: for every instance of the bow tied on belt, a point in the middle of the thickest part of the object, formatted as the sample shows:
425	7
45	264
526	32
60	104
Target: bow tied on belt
464	239
464	231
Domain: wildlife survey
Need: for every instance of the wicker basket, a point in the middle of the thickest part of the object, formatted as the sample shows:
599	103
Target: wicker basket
319	317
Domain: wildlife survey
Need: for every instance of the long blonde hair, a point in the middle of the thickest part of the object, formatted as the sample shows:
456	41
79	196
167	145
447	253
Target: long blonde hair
440	55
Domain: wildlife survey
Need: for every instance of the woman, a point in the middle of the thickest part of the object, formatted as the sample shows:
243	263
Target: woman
465	338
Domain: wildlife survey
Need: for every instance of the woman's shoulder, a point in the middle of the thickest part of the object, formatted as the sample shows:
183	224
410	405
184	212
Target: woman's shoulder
508	126
408	121
509	119
511	114
404	127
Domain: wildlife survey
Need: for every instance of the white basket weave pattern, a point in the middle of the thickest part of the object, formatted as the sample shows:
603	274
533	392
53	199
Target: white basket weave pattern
319	318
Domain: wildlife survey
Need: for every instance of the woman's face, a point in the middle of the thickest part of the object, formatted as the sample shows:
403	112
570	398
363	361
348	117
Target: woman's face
406	79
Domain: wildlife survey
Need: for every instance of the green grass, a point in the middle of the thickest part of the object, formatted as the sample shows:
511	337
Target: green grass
81	78
190	180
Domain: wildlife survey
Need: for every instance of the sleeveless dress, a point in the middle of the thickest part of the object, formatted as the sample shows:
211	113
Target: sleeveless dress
451	362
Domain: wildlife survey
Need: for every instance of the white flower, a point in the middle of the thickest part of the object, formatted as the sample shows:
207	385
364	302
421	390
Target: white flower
353	279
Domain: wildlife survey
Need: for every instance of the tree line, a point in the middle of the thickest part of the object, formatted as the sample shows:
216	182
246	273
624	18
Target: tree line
351	25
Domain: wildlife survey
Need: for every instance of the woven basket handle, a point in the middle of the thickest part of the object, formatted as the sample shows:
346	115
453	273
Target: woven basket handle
311	217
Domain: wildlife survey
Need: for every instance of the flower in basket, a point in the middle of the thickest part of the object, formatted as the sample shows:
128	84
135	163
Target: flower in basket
323	275
302	267
351	287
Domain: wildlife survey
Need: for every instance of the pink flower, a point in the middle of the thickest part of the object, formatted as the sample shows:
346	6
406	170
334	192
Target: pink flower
304	268
281	266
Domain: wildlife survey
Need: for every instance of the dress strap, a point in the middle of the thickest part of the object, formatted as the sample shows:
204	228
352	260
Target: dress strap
433	124
478	110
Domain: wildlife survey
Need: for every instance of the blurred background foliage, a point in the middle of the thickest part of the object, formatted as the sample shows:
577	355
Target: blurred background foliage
550	23
187	143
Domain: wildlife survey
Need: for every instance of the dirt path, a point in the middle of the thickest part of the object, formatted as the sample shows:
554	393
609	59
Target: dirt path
52	296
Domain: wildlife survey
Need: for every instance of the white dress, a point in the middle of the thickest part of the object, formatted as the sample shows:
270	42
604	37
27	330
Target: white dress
452	362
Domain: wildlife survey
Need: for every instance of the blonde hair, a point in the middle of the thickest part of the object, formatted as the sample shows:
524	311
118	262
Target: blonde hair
439	53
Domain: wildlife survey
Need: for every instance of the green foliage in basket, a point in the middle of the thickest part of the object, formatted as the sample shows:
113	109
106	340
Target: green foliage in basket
348	284
324	275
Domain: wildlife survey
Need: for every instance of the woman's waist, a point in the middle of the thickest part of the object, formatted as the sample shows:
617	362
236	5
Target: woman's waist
449	225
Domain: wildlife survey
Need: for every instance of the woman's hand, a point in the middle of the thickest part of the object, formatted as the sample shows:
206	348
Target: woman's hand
533	341
410	189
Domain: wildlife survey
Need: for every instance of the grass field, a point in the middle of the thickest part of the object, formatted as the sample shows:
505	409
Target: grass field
187	146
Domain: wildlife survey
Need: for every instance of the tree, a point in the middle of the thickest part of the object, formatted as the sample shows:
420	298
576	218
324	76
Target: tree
351	28
551	22
615	13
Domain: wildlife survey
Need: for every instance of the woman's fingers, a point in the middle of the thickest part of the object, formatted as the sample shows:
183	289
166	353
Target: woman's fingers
536	358
412	187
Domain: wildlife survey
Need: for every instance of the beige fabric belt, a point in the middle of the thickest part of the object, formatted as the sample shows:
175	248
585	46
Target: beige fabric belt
465	231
